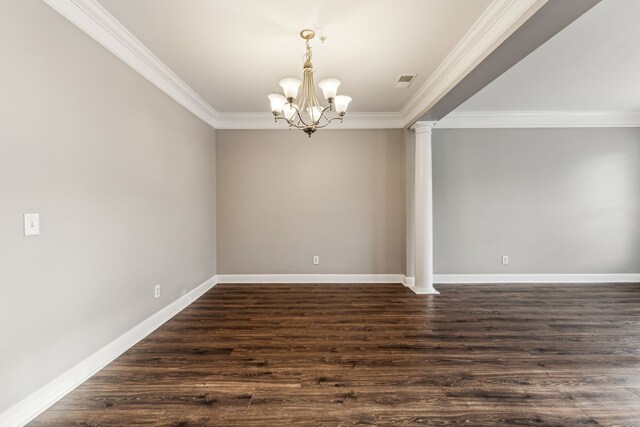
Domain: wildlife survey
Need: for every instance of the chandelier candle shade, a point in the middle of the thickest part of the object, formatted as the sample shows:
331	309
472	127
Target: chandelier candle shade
306	112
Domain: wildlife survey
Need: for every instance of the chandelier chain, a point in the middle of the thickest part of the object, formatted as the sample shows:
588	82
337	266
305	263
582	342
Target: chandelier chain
308	54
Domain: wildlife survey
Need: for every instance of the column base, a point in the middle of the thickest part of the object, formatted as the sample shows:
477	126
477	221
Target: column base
420	291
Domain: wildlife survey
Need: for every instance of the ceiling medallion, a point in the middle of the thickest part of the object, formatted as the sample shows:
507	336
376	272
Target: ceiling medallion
306	113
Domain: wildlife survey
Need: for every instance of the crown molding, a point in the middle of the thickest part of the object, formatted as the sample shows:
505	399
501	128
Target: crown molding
265	121
497	22
98	23
539	119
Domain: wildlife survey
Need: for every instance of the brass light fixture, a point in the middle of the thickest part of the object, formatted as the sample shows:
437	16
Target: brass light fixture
306	112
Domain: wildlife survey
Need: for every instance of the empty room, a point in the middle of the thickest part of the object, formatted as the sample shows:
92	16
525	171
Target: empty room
319	213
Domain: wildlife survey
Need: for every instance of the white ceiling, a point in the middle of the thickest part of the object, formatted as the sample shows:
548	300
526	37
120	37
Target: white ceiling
592	65
233	53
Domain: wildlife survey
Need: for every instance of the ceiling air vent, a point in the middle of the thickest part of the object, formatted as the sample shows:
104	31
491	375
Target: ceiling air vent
404	81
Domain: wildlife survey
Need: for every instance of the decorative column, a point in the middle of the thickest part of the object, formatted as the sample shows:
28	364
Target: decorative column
423	198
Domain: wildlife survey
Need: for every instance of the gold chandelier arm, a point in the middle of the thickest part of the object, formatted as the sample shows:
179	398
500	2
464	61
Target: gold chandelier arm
329	121
300	123
295	123
323	115
300	119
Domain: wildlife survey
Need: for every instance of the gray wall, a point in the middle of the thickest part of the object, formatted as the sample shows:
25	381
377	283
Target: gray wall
553	200
283	198
124	181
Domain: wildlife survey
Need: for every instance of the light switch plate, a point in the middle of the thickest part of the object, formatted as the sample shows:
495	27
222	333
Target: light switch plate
31	224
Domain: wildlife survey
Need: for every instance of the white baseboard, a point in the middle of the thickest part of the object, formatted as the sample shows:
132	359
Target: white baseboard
438	278
536	278
311	278
33	405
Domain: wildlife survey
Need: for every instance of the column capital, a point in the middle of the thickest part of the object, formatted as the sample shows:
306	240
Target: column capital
423	126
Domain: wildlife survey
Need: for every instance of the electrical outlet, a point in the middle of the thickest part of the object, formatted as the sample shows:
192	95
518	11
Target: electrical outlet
316	260
505	259
156	291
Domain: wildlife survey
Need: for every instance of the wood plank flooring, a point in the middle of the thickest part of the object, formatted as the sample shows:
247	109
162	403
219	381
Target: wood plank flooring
282	355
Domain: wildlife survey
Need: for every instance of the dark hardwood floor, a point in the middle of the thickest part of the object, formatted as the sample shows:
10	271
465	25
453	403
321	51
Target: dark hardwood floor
281	355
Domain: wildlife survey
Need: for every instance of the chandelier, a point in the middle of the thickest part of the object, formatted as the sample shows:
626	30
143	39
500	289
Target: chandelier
306	113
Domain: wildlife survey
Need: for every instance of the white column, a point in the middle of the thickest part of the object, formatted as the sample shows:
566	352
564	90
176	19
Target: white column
423	193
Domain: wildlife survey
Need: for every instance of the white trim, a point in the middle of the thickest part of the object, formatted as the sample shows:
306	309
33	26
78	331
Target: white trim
536	278
539	119
351	121
33	405
311	278
409	282
497	22
419	291
98	23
